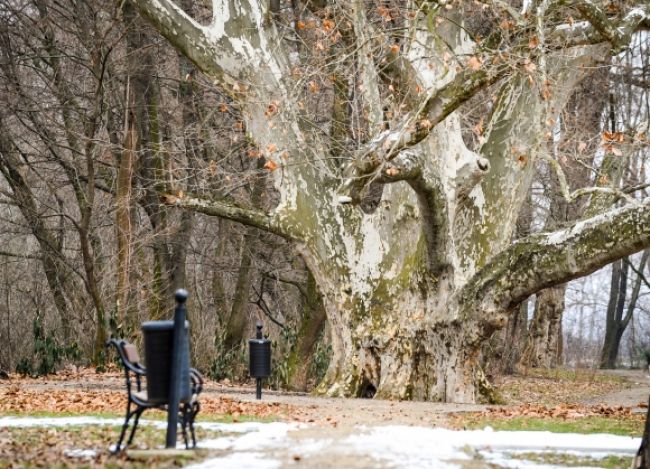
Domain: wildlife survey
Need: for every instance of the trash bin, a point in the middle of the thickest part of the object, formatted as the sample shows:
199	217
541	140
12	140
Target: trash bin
260	359
158	338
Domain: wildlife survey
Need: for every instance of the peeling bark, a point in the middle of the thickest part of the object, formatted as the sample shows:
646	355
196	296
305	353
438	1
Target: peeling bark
542	346
414	288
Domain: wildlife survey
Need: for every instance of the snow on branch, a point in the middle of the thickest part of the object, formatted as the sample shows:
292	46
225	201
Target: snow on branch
546	259
617	33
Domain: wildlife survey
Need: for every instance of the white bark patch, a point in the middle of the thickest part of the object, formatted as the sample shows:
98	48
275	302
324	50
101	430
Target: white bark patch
220	16
431	57
365	251
239	53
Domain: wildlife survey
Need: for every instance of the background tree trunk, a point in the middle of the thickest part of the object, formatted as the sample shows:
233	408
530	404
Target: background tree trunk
618	316
311	328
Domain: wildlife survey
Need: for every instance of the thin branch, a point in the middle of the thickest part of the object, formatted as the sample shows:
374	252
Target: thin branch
20	256
640	273
299	286
261	304
231	211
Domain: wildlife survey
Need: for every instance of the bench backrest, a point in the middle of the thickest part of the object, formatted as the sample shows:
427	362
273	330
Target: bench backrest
131	353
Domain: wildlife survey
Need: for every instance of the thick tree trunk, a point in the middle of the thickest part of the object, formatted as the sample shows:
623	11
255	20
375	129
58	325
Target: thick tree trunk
124	223
541	348
237	320
414	287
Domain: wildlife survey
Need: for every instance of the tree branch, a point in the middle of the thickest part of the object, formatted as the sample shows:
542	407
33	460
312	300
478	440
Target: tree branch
643	278
543	260
416	126
618	34
231	211
182	31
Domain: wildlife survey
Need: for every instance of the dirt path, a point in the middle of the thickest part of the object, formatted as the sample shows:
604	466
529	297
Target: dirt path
340	412
342	432
632	397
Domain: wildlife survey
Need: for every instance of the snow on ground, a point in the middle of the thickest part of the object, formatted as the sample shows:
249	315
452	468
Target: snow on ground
272	445
56	421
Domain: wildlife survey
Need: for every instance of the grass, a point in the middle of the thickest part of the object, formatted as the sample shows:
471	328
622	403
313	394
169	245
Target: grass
571	460
558	386
46	447
574	374
590	424
156	415
37	447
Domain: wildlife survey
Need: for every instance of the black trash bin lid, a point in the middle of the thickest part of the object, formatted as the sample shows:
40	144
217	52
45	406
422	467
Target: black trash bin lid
161	325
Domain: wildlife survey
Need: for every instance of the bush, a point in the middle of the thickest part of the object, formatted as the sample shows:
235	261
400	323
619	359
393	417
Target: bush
47	354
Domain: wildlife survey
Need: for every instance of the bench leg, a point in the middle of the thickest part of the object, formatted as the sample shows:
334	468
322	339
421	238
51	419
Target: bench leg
128	416
184	420
138	413
195	410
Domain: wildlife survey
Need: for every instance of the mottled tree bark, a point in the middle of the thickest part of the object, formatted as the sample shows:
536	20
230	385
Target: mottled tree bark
542	345
412	289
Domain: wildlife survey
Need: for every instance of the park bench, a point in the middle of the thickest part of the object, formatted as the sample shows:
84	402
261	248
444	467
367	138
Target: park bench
138	399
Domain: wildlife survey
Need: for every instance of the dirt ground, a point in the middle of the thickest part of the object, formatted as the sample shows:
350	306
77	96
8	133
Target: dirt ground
332	420
633	391
639	390
630	388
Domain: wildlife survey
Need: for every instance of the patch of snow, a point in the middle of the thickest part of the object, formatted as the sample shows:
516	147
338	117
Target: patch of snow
265	445
411	446
22	422
243	427
397	436
80	453
252	460
254	436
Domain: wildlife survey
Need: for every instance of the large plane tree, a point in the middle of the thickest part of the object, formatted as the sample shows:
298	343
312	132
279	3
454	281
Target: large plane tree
405	222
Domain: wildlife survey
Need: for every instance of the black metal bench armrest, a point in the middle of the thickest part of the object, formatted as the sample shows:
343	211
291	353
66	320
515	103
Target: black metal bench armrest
197	381
134	367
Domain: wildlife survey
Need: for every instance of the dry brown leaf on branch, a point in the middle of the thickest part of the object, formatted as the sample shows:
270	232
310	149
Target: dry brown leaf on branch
270	165
474	62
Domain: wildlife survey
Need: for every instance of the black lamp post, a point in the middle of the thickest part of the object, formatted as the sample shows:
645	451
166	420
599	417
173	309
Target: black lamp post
176	368
260	359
